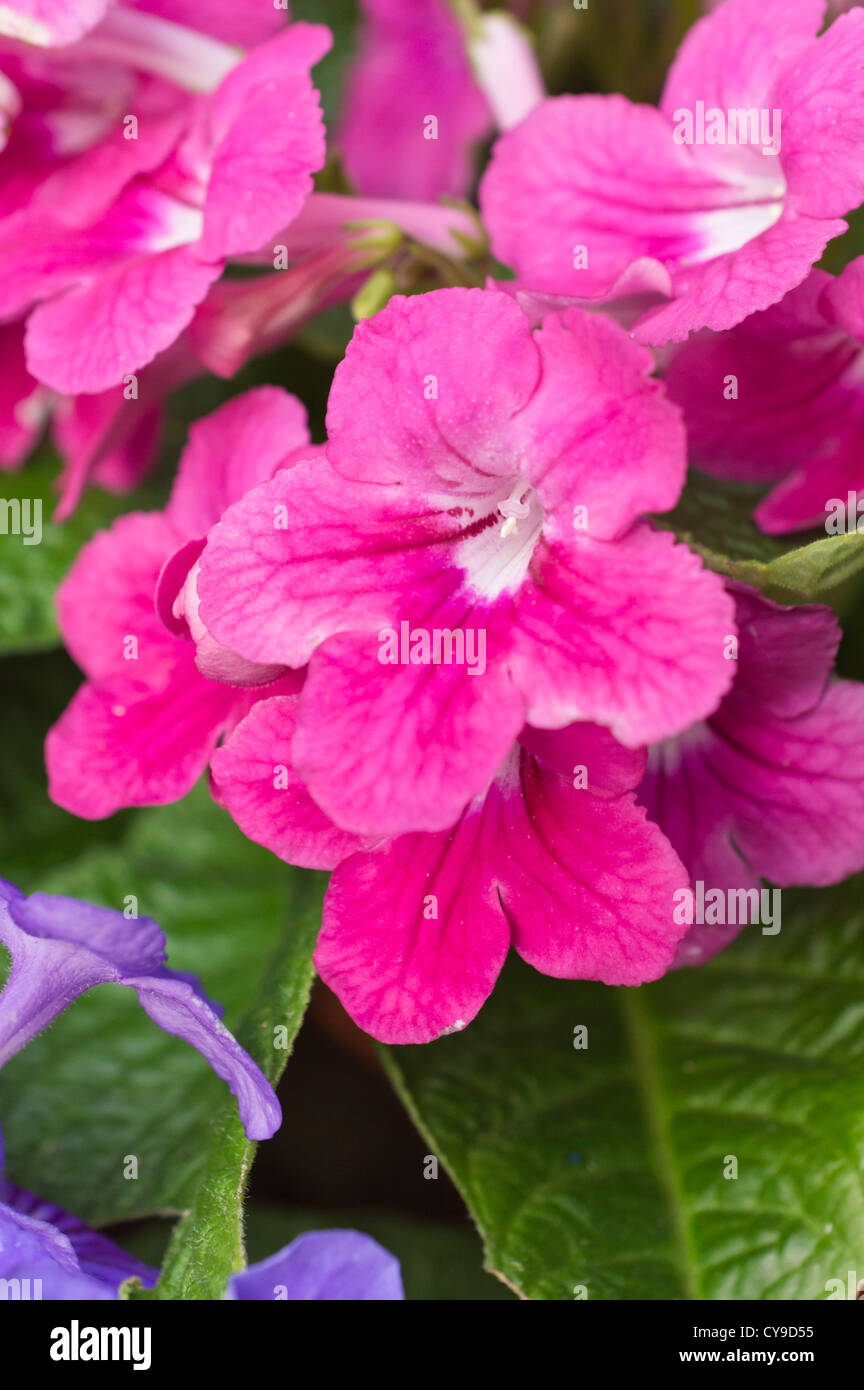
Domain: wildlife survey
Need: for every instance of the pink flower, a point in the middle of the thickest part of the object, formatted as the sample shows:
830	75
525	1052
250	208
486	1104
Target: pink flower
24	404
45	23
772	784
110	438
56	23
142	728
124	193
735	212
482	489
416	929
413	109
782	397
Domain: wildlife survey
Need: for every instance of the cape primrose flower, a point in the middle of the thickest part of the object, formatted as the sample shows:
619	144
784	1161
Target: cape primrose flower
47	24
772	784
61	947
555	857
733	187
323	1266
160	692
780	400
47	1254
412	58
111	234
470	557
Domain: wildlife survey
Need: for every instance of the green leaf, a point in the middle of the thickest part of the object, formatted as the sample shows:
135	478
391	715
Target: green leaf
207	1245
105	1083
603	1168
37	835
30	573
716	519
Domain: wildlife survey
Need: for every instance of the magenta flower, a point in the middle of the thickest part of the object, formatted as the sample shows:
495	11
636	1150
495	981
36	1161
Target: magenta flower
61	947
323	1266
112	437
413	60
113	440
734	186
555	857
24	403
782	397
160	693
47	23
111	234
772	785
482	490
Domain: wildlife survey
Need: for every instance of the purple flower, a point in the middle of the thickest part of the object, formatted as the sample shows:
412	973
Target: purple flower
61	947
47	1254
325	1266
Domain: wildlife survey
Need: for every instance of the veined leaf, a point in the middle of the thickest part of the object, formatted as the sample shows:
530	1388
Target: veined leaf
708	1143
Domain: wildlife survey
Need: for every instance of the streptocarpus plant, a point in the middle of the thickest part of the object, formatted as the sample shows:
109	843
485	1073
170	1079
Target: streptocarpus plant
430	602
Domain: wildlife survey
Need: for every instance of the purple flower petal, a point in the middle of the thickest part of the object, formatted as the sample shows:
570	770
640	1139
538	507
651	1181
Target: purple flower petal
323	1265
97	1256
62	947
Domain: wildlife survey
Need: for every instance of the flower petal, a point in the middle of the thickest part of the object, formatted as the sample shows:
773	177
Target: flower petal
114	577
413	937
177	1007
646	665
124	742
598	433
98	1257
730	58
95	334
245	23
254	780
412	58
587	185
723	291
60	948
229	451
323	1266
587	882
363	743
427	392
46	24
821	94
310	554
268	136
